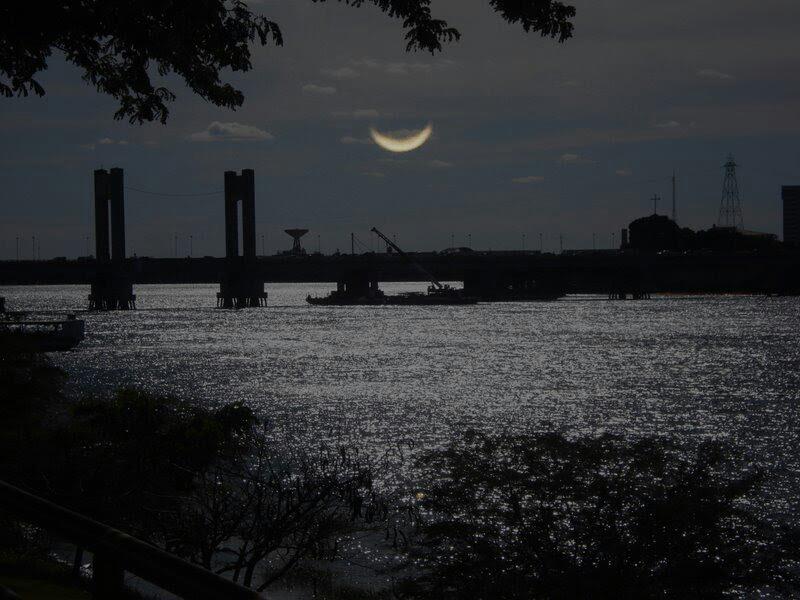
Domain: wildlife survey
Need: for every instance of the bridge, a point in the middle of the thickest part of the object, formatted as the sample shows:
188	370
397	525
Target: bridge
580	273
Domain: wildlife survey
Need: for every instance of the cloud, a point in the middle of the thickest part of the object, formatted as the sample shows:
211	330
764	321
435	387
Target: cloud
359	113
714	74
231	132
106	141
623	172
528	179
440	164
342	73
319	90
574	159
349	139
667	125
377	174
403	68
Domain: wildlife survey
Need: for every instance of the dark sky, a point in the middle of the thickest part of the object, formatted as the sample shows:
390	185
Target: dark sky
530	136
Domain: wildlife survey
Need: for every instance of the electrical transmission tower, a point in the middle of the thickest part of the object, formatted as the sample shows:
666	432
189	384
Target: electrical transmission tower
730	209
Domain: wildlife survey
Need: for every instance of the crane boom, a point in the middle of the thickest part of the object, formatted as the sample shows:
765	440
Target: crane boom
399	250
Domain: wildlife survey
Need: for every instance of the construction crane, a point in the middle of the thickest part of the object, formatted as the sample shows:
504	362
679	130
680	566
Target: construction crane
423	270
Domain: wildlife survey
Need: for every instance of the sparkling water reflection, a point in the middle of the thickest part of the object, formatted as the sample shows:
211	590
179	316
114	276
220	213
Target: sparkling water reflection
690	367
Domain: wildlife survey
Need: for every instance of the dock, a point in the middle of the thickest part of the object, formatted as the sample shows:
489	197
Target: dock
24	335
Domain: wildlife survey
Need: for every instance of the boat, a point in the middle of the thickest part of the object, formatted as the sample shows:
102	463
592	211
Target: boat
437	294
434	297
17	334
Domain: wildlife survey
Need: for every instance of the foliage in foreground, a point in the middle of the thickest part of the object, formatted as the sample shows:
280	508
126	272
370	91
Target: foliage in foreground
260	519
207	484
541	516
121	46
29	386
126	458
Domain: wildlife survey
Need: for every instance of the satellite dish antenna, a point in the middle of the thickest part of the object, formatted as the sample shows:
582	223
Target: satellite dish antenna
296	234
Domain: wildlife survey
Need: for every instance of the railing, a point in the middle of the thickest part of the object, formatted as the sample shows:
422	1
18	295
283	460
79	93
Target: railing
116	553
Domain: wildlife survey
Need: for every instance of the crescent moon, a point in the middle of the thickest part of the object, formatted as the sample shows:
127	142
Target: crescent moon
405	144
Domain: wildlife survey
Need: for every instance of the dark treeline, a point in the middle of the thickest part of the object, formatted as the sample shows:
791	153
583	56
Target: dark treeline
489	516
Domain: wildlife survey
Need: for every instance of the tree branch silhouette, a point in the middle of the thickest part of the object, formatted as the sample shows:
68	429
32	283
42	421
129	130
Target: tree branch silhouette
122	46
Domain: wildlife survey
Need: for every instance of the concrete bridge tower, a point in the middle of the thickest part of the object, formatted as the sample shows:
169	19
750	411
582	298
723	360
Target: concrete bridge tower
240	286
112	286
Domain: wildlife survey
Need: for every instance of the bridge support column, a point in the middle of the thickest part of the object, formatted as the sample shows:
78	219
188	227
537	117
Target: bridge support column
112	285
239	286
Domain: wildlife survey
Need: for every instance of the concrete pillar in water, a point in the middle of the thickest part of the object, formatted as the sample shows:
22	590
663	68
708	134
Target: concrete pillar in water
101	215
247	194
116	196
241	285
231	214
112	285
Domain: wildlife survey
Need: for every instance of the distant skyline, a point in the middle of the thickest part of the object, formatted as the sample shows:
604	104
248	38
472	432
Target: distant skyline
529	135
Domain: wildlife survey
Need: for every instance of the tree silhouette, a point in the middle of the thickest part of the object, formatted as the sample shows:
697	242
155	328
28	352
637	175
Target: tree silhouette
544	516
121	46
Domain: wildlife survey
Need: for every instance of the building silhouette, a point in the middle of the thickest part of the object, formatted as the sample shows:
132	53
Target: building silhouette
654	232
791	213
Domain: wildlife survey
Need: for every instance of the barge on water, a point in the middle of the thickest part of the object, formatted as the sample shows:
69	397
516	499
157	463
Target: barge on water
445	295
18	334
438	294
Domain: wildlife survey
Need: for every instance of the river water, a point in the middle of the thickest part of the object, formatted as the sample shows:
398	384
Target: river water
691	368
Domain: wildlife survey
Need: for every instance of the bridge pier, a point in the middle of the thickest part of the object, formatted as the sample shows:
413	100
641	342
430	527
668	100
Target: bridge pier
630	283
239	289
112	285
239	286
